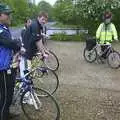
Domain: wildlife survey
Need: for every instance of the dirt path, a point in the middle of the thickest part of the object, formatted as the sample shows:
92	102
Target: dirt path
87	91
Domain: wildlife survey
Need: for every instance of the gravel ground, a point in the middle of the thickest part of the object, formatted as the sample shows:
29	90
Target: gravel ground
87	91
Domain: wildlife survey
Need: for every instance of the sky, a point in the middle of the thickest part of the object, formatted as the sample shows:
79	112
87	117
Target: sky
49	1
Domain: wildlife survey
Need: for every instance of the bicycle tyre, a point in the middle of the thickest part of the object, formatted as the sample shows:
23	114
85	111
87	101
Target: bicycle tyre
112	58
46	111
90	52
46	79
52	61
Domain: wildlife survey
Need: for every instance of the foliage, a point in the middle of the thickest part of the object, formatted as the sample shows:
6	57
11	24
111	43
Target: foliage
61	25
92	11
63	12
86	13
22	10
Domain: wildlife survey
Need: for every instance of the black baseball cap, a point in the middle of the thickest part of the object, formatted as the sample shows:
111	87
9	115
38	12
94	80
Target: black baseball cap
5	9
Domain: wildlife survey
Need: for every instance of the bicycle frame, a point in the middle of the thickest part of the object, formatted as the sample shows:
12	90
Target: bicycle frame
107	50
27	85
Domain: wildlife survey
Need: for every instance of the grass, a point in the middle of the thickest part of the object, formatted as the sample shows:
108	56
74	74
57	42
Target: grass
61	25
64	37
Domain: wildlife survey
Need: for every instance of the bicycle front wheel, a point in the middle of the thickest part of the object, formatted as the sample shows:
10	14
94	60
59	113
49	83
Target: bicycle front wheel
90	55
113	60
36	107
46	79
52	61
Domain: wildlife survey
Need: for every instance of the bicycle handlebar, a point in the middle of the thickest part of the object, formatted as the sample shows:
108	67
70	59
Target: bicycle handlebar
105	44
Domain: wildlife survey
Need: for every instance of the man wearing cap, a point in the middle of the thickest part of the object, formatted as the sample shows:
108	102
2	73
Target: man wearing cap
106	31
7	74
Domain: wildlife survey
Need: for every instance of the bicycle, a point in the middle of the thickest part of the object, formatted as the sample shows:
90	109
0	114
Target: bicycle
50	60
92	54
35	103
43	77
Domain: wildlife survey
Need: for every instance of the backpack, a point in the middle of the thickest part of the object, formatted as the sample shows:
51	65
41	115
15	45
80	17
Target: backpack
5	58
90	43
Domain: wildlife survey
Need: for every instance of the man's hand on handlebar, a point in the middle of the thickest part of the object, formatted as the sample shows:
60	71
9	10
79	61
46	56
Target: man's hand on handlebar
45	36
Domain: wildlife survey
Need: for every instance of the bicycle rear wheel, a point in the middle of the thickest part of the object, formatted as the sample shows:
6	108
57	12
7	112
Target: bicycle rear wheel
41	108
46	79
90	55
52	61
113	60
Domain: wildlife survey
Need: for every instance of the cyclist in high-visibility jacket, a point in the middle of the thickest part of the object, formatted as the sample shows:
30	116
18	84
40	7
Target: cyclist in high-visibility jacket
106	31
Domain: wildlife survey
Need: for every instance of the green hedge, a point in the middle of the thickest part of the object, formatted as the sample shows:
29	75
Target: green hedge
64	37
61	25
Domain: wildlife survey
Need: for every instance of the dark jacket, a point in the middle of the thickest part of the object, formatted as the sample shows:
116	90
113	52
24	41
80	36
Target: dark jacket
23	32
31	35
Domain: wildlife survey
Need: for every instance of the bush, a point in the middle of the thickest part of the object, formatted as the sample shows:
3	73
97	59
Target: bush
61	25
86	13
65	37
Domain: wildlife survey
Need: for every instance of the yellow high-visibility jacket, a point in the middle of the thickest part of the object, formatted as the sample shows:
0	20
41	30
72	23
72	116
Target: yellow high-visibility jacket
106	34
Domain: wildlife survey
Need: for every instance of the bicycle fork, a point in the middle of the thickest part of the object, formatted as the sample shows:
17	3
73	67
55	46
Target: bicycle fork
36	102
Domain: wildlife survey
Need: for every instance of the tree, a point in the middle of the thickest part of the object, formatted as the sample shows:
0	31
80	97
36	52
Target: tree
64	12
91	12
22	10
86	13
